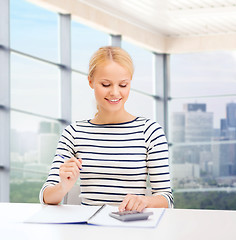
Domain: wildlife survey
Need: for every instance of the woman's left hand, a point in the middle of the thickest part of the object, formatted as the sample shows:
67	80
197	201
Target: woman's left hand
133	202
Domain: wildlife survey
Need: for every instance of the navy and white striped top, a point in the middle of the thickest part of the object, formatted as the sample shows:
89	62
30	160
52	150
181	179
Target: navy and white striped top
117	159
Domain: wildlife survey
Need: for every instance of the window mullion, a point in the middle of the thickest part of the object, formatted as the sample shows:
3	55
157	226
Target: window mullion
161	76
5	101
65	60
115	40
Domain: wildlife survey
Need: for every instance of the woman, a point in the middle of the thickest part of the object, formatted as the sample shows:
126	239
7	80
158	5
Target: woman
115	152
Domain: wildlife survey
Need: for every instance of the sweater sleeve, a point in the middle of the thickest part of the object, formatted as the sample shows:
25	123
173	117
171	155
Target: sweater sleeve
65	150
158	161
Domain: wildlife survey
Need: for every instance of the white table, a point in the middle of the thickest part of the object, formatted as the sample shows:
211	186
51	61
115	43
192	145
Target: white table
176	224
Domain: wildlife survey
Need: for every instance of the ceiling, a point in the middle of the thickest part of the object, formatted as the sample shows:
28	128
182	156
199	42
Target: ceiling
174	17
165	26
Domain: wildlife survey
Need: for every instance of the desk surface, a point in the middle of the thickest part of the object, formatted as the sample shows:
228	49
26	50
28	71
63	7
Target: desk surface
176	224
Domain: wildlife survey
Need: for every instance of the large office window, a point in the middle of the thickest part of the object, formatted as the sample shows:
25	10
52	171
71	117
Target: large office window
202	122
35	98
83	101
35	86
202	106
142	86
143	79
84	42
141	105
33	143
33	30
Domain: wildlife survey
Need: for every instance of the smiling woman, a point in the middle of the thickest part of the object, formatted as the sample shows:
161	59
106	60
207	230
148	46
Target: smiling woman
115	152
110	74
111	84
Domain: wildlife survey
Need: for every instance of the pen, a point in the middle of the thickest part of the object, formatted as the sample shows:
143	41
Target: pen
64	158
60	156
97	211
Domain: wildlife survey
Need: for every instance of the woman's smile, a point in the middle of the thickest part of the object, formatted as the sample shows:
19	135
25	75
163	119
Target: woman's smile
113	101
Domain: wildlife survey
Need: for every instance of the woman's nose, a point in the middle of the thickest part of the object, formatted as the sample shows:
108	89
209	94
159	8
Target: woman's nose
114	91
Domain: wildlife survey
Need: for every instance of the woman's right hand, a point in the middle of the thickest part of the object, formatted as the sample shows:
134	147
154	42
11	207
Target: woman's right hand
69	173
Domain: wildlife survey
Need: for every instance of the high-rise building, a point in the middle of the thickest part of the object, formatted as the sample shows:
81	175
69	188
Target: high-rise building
226	161
47	147
22	142
231	115
178	127
198	126
228	150
198	123
193	107
223	127
193	126
215	149
178	136
49	127
48	139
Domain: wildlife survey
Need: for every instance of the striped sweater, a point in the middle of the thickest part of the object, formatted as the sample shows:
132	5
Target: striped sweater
117	159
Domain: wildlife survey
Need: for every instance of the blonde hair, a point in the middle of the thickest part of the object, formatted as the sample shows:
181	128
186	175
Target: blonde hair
109	53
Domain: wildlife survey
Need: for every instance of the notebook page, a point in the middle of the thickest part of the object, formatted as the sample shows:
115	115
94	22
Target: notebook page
63	214
102	218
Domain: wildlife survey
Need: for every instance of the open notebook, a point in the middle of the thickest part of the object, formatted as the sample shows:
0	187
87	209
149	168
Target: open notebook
93	215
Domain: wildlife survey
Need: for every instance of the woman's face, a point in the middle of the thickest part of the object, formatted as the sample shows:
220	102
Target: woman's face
111	84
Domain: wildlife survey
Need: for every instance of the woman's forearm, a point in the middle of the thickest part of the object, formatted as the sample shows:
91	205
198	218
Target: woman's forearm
69	173
157	201
53	194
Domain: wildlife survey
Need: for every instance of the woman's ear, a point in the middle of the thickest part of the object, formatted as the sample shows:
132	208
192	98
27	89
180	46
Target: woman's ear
90	82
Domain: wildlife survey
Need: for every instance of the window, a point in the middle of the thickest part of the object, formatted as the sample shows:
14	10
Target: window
33	144
203	74
143	79
35	98
141	105
83	101
35	86
202	120
33	30
202	107
142	86
84	42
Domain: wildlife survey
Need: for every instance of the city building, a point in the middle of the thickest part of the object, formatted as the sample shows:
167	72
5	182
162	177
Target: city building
231	115
228	133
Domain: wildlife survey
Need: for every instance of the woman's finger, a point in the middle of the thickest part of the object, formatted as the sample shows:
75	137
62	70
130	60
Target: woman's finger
74	161
124	203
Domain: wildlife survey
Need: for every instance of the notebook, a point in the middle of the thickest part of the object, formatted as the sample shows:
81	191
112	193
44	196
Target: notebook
92	215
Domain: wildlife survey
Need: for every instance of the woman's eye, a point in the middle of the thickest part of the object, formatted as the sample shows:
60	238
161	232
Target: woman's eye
123	85
105	85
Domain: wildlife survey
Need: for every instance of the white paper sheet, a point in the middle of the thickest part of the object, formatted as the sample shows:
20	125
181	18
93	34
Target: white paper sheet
82	214
103	218
63	214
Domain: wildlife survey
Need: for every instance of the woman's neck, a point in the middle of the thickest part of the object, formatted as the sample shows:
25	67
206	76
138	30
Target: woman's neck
108	118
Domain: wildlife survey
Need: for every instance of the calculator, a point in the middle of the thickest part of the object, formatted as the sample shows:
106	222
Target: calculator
134	215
